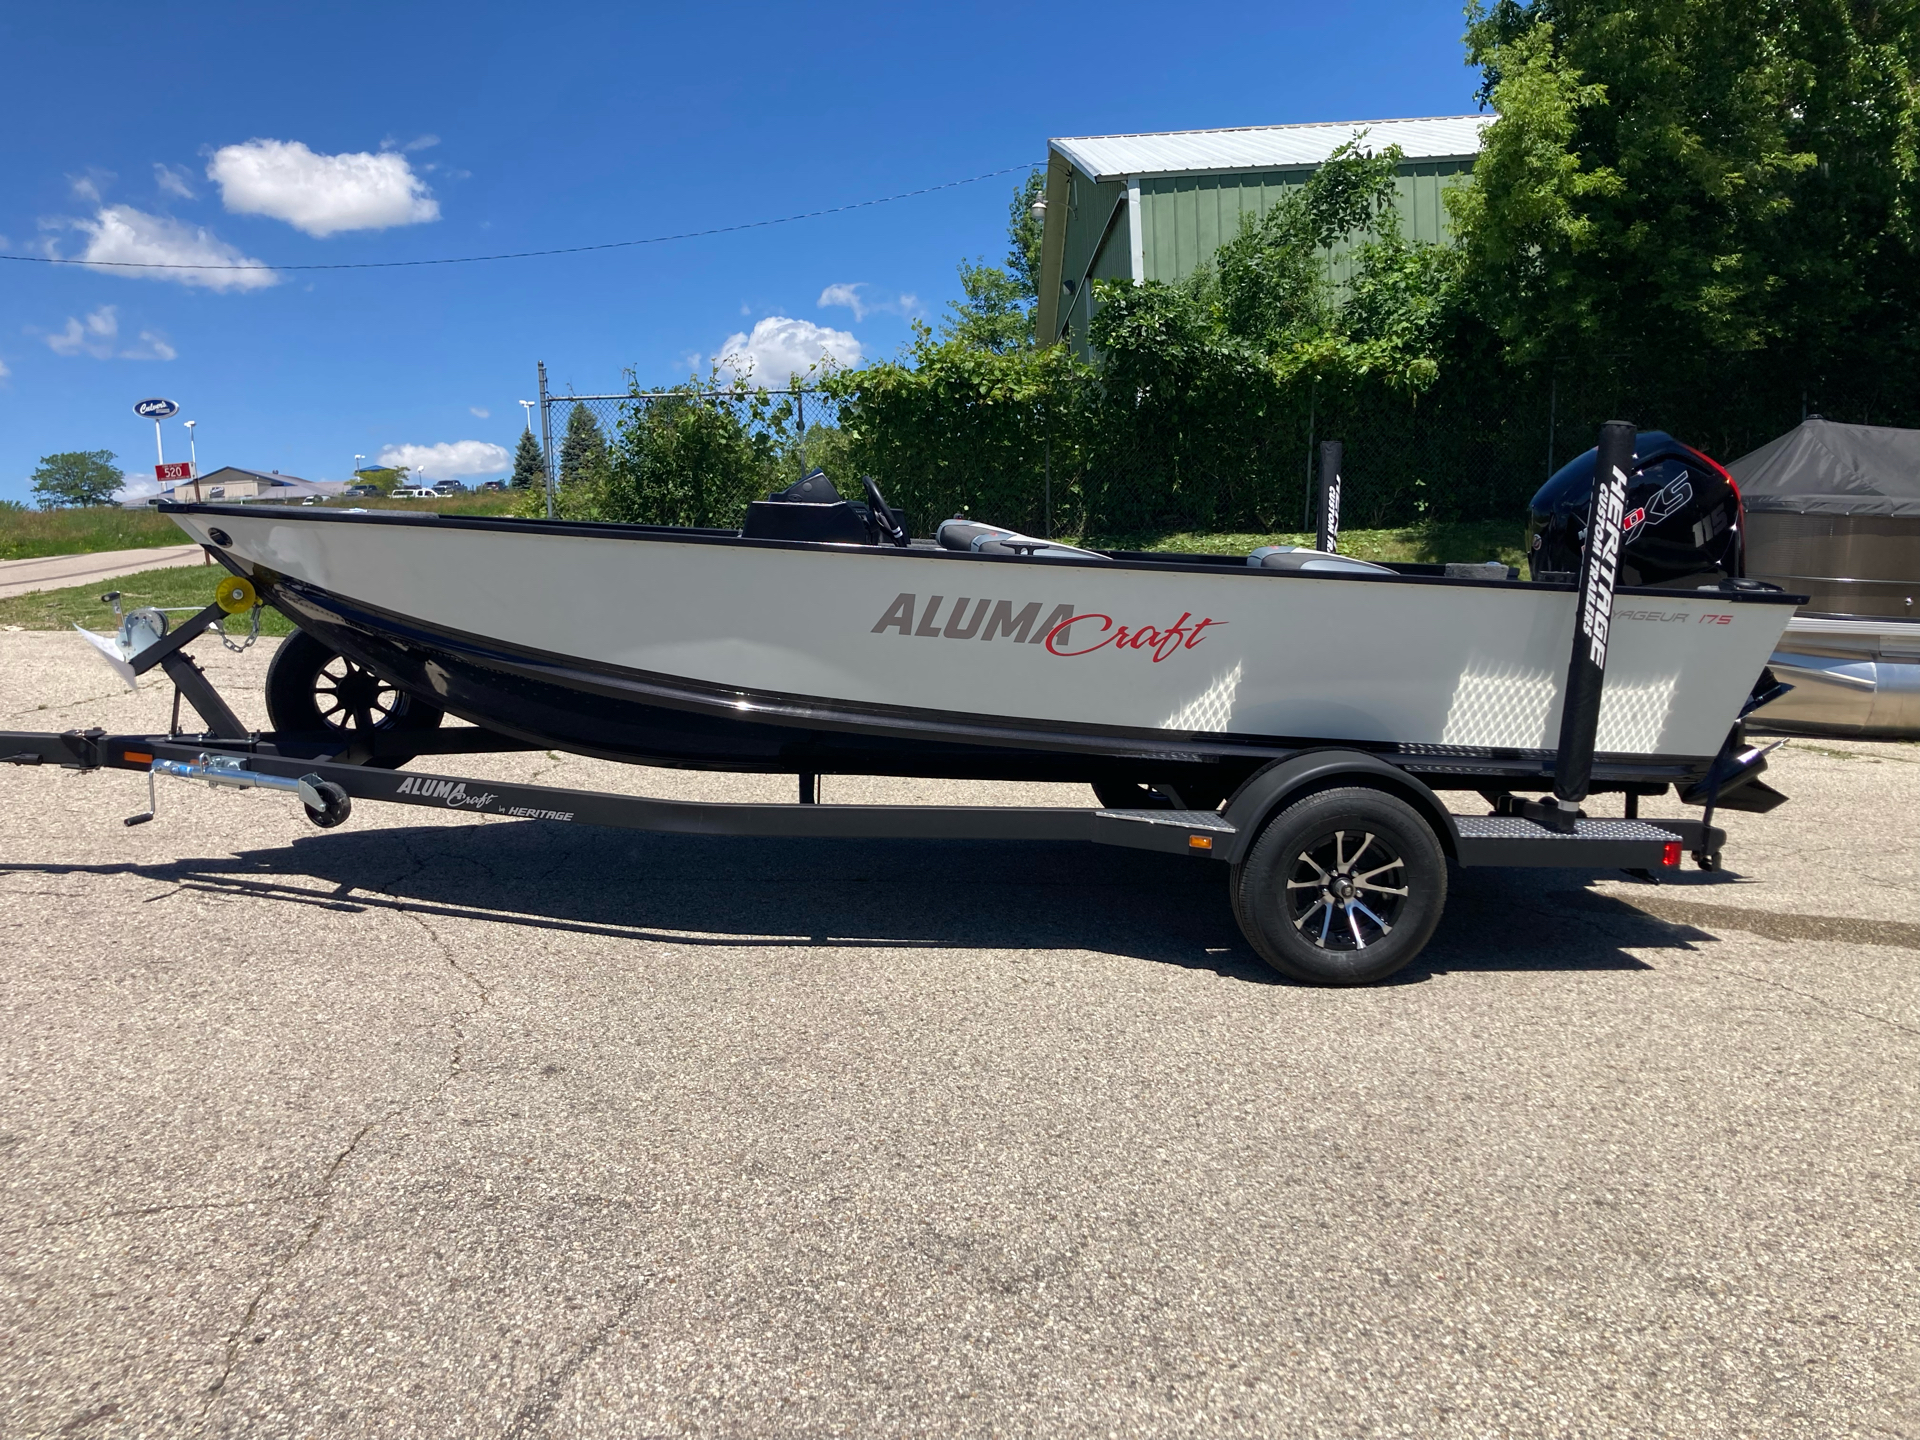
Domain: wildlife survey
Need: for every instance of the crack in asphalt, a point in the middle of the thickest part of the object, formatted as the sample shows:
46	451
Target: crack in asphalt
323	1192
533	1415
143	1211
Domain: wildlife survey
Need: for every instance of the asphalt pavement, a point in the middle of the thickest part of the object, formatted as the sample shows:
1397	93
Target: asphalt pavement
52	572
436	1125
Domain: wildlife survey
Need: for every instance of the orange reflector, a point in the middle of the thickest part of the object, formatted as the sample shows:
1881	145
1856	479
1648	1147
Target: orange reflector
137	757
1670	853
1199	842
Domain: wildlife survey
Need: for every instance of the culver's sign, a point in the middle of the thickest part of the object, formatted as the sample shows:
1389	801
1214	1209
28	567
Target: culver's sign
156	409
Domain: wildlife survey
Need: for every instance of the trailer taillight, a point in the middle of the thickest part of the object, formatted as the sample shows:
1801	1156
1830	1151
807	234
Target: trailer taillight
1670	854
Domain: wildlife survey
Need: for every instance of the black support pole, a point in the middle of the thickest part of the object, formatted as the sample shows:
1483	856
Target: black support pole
1332	452
1599	566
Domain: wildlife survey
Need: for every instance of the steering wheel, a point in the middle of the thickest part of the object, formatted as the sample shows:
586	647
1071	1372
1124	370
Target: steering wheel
883	513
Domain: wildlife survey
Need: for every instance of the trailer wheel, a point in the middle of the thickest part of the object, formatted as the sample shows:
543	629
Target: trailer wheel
335	804
312	689
1342	888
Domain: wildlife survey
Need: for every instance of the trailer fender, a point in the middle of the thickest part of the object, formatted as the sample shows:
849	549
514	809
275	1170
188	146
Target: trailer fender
1273	788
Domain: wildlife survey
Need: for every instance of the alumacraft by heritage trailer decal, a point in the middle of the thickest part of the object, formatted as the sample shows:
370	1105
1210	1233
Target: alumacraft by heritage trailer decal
453	793
996	619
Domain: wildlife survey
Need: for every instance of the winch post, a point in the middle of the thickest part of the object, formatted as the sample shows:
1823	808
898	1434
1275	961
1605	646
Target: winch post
1593	599
1332	454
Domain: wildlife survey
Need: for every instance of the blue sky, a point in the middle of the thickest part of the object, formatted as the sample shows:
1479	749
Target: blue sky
347	132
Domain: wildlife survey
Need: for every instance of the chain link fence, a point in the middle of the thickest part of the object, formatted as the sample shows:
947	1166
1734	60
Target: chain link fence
1083	464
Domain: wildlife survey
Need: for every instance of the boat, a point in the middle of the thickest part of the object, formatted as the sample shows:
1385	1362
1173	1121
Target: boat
819	638
1834	514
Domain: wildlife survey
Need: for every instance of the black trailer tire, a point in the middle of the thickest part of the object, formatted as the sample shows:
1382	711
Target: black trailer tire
314	690
1342	888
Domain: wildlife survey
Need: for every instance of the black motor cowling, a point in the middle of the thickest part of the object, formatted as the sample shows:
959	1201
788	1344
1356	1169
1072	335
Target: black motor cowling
1683	519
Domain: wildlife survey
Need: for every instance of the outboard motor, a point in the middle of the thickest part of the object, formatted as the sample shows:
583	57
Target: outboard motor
1683	522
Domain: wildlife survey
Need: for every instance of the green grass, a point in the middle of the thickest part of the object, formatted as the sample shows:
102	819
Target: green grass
1425	544
85	530
186	585
29	534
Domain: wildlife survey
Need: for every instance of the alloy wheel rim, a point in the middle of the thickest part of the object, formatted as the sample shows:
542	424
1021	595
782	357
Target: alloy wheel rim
351	697
1346	889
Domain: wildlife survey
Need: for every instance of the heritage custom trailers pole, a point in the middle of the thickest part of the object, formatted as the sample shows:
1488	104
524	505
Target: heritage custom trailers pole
1587	666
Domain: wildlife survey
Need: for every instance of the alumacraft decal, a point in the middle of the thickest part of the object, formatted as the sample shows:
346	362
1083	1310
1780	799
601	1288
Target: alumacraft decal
993	619
454	793
449	792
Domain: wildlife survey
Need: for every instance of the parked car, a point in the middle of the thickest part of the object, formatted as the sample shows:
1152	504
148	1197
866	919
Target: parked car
363	492
493	485
417	492
449	487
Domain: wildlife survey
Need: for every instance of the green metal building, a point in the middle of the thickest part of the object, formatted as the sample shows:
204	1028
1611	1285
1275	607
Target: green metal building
1155	207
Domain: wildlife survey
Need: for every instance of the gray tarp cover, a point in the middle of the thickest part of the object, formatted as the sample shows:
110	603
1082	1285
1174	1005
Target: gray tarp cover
1820	468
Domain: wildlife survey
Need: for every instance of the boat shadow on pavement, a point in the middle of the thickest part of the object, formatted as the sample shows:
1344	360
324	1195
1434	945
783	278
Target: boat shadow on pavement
732	893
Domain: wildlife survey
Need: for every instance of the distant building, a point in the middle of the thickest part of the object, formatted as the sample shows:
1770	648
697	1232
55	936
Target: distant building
1156	207
231	485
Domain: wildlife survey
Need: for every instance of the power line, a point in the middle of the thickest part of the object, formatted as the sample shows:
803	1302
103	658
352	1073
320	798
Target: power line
524	254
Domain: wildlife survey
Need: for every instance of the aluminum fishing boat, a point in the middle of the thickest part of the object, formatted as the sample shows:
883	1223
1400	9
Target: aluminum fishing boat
819	639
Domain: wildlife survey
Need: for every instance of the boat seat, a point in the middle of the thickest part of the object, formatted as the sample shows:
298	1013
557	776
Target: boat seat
1311	562
808	509
971	536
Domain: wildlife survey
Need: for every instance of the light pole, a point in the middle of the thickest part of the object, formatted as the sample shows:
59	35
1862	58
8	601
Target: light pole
356	467
527	405
193	454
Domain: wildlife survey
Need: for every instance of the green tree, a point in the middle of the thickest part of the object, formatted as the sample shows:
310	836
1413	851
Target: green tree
583	451
994	314
996	308
1024	231
1689	178
76	477
529	464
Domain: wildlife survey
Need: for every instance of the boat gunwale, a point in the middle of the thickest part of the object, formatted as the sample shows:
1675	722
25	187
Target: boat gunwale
611	530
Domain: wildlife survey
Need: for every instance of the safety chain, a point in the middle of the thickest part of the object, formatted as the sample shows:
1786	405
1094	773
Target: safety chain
253	634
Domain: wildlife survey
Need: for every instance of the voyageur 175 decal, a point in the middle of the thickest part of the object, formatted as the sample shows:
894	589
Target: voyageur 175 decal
1064	632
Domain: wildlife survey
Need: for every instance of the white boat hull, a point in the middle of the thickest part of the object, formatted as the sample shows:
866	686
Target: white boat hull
935	646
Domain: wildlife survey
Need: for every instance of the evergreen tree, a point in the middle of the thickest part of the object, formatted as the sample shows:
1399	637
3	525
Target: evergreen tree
529	464
583	453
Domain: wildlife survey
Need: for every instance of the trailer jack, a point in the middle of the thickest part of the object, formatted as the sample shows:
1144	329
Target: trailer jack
326	802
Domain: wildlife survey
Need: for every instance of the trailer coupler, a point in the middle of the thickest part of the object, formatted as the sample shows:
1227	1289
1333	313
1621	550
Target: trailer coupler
327	804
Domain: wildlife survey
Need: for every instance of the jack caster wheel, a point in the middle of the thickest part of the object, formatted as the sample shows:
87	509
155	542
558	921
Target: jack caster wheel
1342	888
314	690
335	804
1707	859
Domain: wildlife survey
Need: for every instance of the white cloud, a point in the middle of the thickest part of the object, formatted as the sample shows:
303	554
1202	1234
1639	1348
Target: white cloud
99	336
92	185
173	180
781	347
480	412
321	194
136	487
4	371
125	236
863	306
425	142
448	460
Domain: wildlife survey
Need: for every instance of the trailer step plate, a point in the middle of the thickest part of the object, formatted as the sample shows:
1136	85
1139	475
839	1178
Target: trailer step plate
1180	832
1602	844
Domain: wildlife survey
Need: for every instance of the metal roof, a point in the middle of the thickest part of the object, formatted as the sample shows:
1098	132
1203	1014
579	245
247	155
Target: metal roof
1267	147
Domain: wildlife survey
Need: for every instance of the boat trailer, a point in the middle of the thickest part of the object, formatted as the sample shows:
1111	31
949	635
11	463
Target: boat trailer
1338	856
